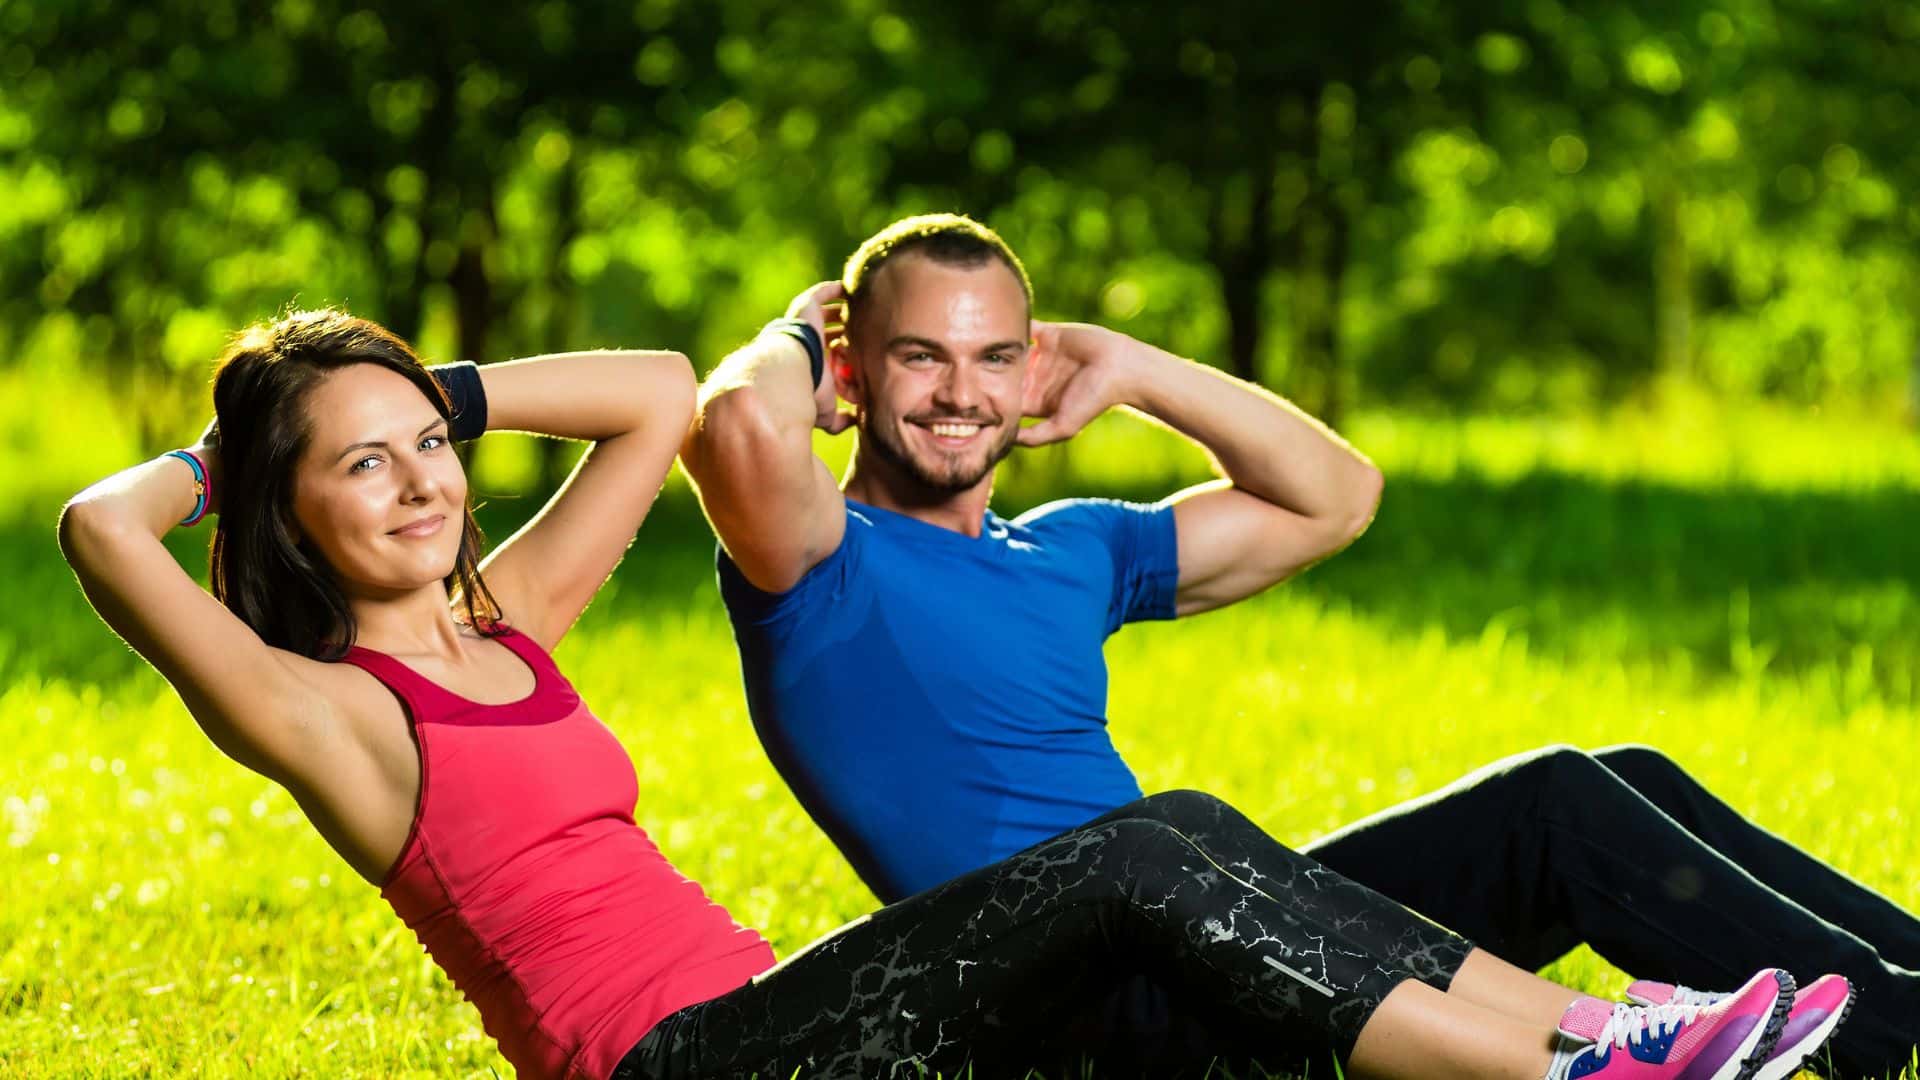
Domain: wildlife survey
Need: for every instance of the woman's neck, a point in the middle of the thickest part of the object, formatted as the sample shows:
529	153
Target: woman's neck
417	623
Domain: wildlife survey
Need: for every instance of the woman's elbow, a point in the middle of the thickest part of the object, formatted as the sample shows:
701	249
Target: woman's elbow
87	528
679	389
654	388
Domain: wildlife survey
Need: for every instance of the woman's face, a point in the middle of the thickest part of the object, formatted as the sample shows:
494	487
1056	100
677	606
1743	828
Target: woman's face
379	493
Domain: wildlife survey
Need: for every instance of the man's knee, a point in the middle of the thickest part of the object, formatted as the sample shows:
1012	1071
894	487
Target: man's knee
1642	766
1547	770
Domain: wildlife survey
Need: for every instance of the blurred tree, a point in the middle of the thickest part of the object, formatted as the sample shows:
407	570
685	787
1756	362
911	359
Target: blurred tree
1516	203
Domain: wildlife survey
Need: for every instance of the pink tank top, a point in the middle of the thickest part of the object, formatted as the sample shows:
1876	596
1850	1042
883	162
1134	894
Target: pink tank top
528	882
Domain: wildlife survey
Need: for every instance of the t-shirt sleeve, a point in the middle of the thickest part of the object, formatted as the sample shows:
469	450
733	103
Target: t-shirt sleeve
811	598
1140	541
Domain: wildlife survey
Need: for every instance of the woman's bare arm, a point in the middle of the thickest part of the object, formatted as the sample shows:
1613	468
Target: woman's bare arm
267	708
634	406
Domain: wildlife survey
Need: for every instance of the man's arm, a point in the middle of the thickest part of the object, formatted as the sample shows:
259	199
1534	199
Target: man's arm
1293	492
772	502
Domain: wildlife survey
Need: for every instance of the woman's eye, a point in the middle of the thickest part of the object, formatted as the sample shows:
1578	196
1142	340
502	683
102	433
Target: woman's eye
433	442
364	463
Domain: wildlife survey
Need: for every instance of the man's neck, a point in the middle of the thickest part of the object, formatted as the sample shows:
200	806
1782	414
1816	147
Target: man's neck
874	482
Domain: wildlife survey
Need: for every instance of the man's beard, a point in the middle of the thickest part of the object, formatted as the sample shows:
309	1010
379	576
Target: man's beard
951	478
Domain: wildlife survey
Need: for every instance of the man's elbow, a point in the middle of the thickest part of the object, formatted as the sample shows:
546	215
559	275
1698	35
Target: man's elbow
1366	501
1345	525
732	428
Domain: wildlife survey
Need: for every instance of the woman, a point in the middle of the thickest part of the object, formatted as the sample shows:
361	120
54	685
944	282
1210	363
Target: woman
355	653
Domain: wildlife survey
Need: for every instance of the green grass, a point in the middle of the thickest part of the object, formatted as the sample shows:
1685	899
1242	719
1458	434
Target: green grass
1742	590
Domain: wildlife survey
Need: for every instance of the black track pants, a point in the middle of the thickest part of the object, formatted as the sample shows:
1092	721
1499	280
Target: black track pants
1624	851
987	969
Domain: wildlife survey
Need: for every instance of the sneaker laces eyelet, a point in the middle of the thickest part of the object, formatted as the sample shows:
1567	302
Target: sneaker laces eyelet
1630	1024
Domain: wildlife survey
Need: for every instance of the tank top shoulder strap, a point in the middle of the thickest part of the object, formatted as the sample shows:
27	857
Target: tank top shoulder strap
428	702
528	650
424	699
550	686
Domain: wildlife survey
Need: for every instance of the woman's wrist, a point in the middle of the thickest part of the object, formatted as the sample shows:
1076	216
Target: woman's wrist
468	397
208	448
196	463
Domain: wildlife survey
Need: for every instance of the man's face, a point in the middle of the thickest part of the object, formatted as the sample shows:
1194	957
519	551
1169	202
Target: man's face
938	358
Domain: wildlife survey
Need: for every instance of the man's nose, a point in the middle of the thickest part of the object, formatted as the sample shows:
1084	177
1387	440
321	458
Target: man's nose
960	388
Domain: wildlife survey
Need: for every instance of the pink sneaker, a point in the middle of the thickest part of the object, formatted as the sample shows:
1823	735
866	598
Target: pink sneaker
1724	1041
1818	1010
1648	992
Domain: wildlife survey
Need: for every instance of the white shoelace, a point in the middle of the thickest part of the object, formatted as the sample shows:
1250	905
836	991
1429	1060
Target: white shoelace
1699	999
1632	1023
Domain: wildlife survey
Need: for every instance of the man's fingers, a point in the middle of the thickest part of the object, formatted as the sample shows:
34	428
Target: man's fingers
816	295
1040	434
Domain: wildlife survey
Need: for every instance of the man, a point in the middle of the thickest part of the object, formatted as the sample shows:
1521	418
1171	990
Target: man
928	676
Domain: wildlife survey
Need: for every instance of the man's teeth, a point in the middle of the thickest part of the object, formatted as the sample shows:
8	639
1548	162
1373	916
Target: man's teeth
954	431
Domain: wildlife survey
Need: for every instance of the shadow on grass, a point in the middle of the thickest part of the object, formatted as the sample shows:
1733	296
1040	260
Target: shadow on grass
1736	579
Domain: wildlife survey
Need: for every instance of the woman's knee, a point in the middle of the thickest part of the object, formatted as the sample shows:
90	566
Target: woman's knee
1184	808
1142	855
1148	835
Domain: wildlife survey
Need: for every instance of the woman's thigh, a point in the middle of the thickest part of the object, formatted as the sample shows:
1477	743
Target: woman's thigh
980	970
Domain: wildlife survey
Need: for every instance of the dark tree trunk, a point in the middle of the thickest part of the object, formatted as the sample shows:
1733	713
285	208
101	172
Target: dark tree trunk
1320	266
562	307
472	300
1241	249
1672	281
400	286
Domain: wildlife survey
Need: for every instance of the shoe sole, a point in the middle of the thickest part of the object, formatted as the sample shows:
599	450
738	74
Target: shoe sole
1757	1052
1791	1062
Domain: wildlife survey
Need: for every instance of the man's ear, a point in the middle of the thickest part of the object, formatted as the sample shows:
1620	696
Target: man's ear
845	373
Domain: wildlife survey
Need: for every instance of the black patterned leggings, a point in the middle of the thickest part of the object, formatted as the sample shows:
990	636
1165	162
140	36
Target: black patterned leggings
986	969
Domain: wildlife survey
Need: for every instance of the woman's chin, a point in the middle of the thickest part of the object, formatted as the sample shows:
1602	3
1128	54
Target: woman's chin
391	583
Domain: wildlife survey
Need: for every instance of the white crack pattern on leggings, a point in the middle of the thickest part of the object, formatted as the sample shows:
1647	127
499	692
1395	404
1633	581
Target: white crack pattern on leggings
1178	886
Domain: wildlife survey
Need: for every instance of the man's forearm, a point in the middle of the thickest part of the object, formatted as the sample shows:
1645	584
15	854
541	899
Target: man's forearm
1265	445
776	369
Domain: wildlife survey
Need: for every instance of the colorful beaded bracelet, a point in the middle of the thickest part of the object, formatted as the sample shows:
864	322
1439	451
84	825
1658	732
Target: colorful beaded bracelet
202	487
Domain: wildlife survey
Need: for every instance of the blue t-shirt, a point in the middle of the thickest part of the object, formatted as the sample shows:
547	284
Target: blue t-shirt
938	702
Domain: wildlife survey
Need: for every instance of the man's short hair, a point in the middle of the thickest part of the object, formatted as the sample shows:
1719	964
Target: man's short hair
948	239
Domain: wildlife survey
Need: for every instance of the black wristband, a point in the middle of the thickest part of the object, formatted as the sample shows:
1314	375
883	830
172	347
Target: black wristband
803	332
467	396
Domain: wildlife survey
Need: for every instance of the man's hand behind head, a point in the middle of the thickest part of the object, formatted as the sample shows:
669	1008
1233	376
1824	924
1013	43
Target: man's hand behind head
825	306
1075	372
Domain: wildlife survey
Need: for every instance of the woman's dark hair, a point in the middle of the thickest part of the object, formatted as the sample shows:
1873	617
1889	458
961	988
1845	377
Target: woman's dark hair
280	586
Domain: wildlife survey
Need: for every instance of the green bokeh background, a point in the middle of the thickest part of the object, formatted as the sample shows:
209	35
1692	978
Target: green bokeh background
1619	295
